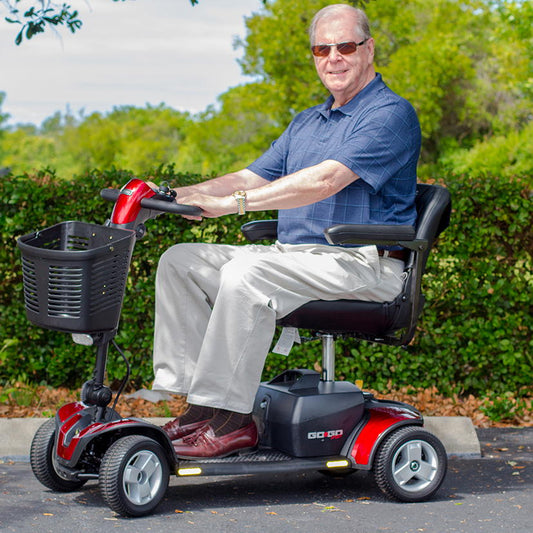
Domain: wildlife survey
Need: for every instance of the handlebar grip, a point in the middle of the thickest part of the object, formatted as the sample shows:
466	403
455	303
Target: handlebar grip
171	207
111	195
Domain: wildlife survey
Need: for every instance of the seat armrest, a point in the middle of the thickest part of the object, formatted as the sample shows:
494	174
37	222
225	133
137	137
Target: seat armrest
378	234
258	230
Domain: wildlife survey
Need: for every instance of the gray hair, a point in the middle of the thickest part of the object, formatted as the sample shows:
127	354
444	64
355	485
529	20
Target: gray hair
362	25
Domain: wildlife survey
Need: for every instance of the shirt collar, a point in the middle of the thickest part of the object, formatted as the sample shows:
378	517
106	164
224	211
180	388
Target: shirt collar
349	108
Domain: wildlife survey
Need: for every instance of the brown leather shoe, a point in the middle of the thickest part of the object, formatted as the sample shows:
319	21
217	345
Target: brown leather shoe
204	443
176	431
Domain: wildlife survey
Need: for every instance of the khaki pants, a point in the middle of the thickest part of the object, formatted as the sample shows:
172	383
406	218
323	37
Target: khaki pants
217	306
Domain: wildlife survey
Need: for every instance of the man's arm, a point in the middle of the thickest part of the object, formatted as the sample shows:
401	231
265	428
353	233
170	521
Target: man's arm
216	188
225	185
304	187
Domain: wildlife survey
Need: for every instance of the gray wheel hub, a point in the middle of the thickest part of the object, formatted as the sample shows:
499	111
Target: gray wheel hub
415	465
142	478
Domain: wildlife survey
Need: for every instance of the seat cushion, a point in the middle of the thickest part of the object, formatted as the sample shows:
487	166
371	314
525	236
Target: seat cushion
346	316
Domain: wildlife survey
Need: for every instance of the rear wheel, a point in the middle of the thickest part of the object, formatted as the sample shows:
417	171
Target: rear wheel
410	464
134	475
42	460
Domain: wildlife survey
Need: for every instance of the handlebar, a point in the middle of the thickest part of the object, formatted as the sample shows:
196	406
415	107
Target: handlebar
111	195
161	204
158	202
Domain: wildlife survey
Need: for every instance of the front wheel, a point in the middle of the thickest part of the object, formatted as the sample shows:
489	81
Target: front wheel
410	464
42	460
134	475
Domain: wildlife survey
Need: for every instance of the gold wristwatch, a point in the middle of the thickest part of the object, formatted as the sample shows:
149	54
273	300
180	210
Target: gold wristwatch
240	198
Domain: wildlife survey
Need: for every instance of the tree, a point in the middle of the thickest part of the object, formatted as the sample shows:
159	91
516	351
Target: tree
3	119
37	17
3	116
230	137
45	13
465	65
138	139
24	151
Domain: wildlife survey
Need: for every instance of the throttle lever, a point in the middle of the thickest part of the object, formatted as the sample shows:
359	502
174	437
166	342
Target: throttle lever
166	193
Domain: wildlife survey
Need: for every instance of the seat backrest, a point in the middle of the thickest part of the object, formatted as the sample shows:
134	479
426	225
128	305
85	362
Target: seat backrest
433	207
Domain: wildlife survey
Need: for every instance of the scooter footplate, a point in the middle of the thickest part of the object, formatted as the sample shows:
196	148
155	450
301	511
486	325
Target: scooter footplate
252	463
254	457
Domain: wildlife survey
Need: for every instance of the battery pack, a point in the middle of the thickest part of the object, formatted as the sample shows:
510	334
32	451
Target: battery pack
301	415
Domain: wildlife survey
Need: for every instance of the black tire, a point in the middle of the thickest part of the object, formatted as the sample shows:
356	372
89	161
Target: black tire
134	475
410	464
42	460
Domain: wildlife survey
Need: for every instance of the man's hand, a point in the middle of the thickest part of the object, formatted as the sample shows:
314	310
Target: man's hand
152	185
212	206
179	200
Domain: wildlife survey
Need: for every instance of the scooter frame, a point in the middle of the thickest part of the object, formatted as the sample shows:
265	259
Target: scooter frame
132	458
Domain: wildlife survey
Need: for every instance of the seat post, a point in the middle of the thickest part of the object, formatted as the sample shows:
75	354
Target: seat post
328	357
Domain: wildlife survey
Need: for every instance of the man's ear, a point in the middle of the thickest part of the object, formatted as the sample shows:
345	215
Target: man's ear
370	43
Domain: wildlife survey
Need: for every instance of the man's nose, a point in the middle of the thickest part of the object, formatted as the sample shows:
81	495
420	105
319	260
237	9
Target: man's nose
334	54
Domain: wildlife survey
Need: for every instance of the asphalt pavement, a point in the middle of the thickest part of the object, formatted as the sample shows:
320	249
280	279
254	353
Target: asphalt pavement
489	492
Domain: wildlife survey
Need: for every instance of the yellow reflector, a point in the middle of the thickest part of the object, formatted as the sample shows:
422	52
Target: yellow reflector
338	464
189	471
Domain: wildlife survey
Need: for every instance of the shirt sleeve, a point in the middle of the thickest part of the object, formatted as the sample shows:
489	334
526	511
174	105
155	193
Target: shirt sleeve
272	164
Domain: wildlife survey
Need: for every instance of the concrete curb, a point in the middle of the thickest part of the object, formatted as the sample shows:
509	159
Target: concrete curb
456	433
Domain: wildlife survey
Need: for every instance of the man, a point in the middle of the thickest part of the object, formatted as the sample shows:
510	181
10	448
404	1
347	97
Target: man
350	160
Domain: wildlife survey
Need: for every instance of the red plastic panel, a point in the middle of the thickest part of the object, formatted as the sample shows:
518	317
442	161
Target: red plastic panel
128	204
382	418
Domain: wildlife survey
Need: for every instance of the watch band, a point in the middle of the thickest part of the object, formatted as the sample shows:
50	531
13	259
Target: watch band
240	198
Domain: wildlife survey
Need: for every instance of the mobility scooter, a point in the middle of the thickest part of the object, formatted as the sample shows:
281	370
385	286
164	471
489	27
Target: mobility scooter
74	276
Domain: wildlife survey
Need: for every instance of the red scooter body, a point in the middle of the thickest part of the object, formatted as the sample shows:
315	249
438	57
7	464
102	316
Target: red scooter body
128	205
305	423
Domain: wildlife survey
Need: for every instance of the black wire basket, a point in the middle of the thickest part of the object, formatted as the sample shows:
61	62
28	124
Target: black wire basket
74	276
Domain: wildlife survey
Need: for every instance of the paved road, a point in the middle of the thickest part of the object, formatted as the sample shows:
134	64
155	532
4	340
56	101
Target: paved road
491	494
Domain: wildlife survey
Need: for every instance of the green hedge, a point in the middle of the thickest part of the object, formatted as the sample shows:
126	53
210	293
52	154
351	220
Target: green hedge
474	335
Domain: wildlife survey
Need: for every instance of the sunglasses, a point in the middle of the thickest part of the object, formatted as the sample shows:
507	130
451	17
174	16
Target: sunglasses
322	50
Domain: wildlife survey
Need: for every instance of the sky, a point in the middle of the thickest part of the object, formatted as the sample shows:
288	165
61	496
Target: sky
136	52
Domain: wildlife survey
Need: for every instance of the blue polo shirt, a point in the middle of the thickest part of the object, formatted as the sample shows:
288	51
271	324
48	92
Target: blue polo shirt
377	136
